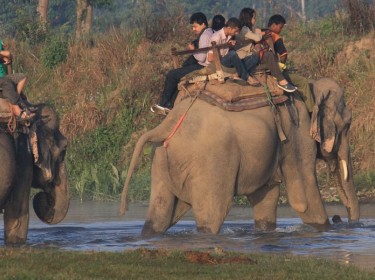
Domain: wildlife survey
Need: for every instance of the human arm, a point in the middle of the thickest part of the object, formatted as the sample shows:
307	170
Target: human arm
6	56
255	35
281	50
204	42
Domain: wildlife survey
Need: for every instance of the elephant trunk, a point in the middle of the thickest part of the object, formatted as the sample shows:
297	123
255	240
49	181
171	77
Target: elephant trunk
345	183
51	206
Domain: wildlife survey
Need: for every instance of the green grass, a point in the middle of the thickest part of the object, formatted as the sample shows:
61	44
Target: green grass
146	264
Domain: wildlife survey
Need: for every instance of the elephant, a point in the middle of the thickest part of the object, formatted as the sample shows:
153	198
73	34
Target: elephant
204	156
21	170
330	124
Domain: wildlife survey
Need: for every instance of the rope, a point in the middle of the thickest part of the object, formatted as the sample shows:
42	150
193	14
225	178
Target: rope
268	93
12	123
166	141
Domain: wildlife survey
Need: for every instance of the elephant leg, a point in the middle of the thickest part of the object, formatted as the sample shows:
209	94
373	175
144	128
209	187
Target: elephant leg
160	210
209	218
180	209
16	212
264	202
210	206
162	201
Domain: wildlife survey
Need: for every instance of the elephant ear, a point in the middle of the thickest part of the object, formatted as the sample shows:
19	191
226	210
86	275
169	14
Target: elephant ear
315	126
322	127
330	115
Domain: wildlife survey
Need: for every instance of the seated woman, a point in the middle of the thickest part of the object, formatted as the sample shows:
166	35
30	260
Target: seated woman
251	58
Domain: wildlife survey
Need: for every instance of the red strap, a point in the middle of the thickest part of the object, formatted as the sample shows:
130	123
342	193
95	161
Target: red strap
165	144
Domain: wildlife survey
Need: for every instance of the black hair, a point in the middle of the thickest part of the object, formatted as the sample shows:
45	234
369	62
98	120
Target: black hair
218	22
246	17
276	19
233	23
199	18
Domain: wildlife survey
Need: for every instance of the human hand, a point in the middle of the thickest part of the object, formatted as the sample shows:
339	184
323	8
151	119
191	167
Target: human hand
191	46
7	60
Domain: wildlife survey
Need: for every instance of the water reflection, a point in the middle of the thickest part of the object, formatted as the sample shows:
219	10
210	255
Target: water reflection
97	226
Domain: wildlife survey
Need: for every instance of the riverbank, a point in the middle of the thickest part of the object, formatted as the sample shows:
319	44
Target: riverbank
164	264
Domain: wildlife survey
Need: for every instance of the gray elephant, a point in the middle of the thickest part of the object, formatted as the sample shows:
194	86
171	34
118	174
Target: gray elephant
215	155
330	124
20	170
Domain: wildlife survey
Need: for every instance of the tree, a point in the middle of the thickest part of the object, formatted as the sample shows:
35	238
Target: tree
85	11
42	10
303	10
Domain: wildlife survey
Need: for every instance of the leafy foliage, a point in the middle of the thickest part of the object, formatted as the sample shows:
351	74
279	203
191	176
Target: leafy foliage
54	52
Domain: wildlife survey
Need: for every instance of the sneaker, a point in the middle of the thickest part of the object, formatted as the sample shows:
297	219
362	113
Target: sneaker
157	109
253	81
287	87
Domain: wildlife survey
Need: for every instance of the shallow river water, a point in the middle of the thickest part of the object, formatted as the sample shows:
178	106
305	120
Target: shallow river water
97	226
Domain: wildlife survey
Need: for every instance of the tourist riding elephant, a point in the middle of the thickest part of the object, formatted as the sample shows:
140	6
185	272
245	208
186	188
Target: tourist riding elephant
40	166
330	123
210	155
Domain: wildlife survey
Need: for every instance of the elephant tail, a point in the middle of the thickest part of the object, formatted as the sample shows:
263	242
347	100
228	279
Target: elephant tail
158	134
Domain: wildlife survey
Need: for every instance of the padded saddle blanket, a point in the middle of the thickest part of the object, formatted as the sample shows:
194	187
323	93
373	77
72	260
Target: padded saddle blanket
232	96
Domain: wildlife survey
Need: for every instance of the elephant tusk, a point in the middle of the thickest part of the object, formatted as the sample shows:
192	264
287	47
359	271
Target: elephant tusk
344	166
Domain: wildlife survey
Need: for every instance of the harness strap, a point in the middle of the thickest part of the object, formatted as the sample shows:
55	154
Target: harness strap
12	123
275	113
166	141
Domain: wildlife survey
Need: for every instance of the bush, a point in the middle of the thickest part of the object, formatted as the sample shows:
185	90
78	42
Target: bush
54	52
361	16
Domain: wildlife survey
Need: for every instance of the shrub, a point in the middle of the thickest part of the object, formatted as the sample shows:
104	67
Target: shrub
361	16
54	52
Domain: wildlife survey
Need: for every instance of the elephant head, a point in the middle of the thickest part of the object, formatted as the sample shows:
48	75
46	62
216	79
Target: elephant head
50	205
330	123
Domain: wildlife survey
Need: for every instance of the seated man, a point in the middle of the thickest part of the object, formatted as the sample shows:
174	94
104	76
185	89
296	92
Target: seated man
275	25
5	60
199	24
229	58
19	107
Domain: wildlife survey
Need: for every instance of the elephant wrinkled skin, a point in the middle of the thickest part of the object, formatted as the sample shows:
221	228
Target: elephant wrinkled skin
19	172
215	155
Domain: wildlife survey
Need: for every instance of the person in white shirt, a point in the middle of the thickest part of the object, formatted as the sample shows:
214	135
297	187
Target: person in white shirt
229	58
199	25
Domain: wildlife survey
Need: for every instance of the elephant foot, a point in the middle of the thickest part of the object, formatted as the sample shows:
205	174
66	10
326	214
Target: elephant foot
203	229
149	230
321	227
265	225
14	241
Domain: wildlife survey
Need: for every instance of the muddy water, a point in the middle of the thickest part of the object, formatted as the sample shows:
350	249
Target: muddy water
97	226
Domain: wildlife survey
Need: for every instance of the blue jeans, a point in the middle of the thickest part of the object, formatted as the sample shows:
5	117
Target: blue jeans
251	62
232	60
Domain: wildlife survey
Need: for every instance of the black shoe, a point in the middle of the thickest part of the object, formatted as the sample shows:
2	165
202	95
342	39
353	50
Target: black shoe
288	87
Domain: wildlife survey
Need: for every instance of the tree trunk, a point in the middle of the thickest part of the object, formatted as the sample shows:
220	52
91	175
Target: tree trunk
42	10
89	14
85	10
303	14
